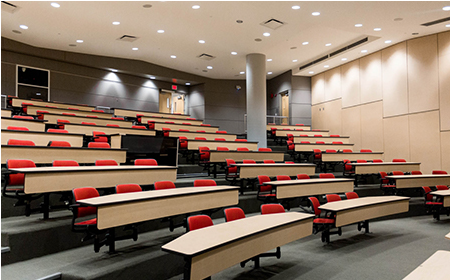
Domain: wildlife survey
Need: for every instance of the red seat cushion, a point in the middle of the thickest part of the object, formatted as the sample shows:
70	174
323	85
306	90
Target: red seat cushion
88	222
268	195
323	221
433	203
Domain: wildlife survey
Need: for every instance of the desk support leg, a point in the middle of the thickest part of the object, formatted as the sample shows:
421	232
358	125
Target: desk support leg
366	226
187	268
111	240
215	170
46	205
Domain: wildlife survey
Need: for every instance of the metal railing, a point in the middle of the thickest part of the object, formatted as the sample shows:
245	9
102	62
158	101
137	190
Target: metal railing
273	119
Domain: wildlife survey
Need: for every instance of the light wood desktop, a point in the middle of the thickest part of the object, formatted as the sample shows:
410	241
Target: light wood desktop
32	125
310	187
326	139
208	135
322	147
46	155
41	138
176	127
444	195
215	248
338	157
355	210
212	145
448	236
376	167
417	181
284	133
88	129
239	156
435	267
133	113
283	126
58	179
53	119
32	110
6	113
17	102
274	169
145	120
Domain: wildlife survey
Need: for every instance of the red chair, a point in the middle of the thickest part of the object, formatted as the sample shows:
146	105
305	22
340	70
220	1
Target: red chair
65	163
17	128
234	213
265	192
151	125
200	138
240	140
101	145
76	109
320	142
127	188
98	111
106	162
385	186
361	161
201	131
305	142
337	143
191	119
242	149
16	142
398	173
416	172
61	123
222	149
432	206
326	176
290	137
138	127
335	135
204	154
348	169
186	123
166	131
264	150
205	183
88	123
88	116
300	124
112	125
268	161
347	151
283	177
230	171
290	146
377	160
317	155
164	185
57	130
351	195
59	144
139	117
272	208
329	151
23	117
183	142
322	223
333	197
204	124
437	172
69	114
366	151
289	162
219	139
302	176
198	222
317	135
183	130
40	114
398	160
248	161
441	188
117	118
146	161
221	131
169	122
24	107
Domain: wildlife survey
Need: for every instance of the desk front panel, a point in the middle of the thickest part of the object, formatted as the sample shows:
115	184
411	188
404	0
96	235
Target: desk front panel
327	139
44	182
88	129
145	119
417	181
114	215
208	136
16	102
31	125
322	147
284	133
222	156
315	187
336	157
212	145
53	119
42	138
47	155
271	171
6	113
373	168
291	127
176	127
32	110
366	208
445	195
133	113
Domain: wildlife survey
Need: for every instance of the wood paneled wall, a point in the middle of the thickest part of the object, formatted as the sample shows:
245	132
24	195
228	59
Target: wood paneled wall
396	100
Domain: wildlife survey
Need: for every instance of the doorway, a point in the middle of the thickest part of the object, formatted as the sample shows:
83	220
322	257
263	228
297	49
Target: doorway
285	107
165	102
178	103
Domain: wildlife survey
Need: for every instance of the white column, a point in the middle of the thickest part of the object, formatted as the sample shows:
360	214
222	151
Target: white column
256	99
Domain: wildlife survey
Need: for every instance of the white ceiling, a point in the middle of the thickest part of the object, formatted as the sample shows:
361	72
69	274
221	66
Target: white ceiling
215	22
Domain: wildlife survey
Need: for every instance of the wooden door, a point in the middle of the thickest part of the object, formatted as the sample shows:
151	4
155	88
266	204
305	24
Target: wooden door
285	108
165	102
178	104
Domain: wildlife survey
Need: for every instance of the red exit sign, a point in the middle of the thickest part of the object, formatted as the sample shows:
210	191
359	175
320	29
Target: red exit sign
174	87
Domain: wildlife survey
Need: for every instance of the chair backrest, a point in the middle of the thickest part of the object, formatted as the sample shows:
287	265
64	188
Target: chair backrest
65	163
263	178
398	160
361	161
249	161
99	145
191	119
18	178
164	185
127	188
84	193
17	128
242	149
23	117
200	138
220	139
240	140
330	151
57	130
91	116
268	161
426	192
234	213
338	142
183	130
117	118
302	176
138	127
317	135
383	177
333	197
169	122
98	111
59	144
398	173
416	172
187	123
205	124
231	169
264	150
326	175
205	183
198	222
377	160
106	162
439	172
320	142
290	145
351	195
17	142
335	135
88	123
315	205
68	114
289	162
299	124
347	151
221	131
272	208
204	153
305	142
366	151
112	125
222	149
441	187
145	161
283	177
347	166
201	131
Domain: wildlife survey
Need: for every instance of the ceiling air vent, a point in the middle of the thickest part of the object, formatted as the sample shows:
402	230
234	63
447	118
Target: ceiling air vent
128	38
273	23
436	21
206	56
8	7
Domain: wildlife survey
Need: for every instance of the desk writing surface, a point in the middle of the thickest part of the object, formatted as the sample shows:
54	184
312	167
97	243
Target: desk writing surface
291	127
6	113
435	268
88	129
274	169
445	195
284	133
53	119
323	147
334	157
212	144
32	125
132	113
145	120
417	181
17	102
222	156
376	167
326	139
32	110
208	135
41	138
175	126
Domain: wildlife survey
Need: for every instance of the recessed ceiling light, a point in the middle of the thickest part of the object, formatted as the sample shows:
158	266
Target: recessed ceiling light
446	8
311	72
358	25
114	70
116	22
326	66
448	25
269	59
267	34
209	67
364	51
80	41
295	60
56	5
327	45
242	72
135	49
344	59
152	77
160	31
269	73
234	53
201	41
173	56
195	7
23	26
316	14
388	41
377	29
188	84
295	7
305	43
